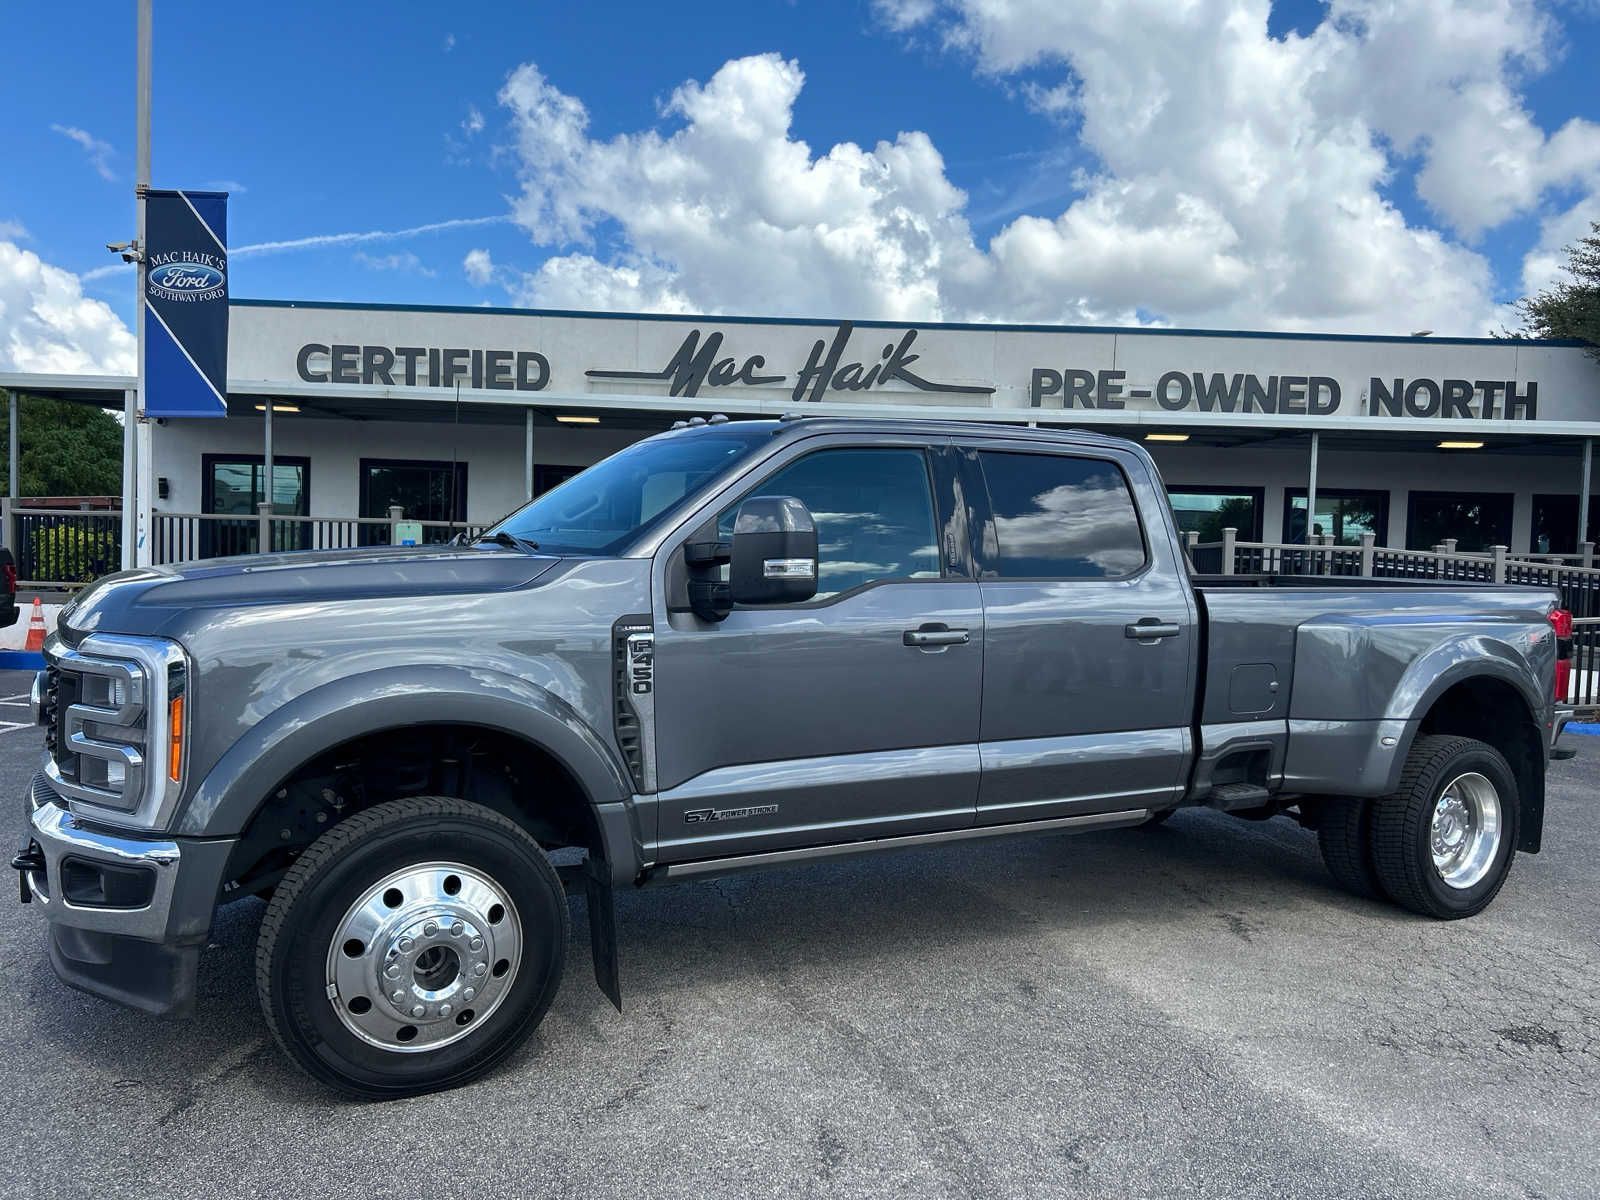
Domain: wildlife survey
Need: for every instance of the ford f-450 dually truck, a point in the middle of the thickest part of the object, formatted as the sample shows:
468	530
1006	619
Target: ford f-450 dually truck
731	645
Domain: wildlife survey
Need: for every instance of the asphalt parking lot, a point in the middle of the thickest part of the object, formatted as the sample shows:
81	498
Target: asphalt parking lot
1186	1011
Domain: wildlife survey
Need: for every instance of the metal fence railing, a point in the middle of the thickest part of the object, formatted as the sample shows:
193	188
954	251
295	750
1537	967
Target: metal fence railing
1583	690
1578	584
62	549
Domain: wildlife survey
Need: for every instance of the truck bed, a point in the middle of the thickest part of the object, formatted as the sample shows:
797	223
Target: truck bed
1309	685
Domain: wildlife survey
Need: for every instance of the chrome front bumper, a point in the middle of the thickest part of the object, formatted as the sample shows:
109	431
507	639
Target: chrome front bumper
127	915
75	857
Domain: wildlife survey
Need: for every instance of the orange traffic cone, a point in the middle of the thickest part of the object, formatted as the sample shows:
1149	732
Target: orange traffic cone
35	641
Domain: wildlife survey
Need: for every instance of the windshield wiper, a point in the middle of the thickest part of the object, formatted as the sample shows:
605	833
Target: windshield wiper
501	538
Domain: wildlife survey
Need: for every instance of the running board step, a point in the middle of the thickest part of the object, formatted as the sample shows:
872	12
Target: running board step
745	862
1231	797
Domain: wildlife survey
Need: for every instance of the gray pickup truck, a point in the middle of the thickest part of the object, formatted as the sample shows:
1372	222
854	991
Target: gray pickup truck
732	645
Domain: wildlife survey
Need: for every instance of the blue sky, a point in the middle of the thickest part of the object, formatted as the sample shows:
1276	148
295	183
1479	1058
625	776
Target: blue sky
339	119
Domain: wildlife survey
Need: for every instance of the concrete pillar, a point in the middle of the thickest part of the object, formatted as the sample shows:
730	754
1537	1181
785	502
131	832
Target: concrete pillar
266	454
130	476
1368	558
1583	492
144	493
1228	536
527	456
1311	490
13	457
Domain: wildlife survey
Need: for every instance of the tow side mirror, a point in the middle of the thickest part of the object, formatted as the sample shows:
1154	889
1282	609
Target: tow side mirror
774	559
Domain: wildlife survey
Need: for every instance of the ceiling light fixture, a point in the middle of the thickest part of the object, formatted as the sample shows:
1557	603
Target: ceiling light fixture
572	420
1166	437
279	408
1461	445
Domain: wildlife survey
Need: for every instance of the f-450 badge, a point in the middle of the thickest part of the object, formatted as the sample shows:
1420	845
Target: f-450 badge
696	816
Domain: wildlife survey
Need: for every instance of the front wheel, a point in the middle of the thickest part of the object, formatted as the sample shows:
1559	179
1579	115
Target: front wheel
411	947
1442	843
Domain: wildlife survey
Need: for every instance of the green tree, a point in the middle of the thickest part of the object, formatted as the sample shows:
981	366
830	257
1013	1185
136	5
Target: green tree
1570	309
66	449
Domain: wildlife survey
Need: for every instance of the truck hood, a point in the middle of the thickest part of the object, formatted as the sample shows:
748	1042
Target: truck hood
137	601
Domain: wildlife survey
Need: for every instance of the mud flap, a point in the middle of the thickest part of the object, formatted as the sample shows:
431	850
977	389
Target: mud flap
602	930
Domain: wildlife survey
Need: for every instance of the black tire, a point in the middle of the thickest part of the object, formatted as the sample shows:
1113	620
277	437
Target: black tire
1342	836
1401	827
292	951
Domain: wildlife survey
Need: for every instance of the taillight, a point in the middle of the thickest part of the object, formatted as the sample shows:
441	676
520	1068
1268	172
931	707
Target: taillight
1561	623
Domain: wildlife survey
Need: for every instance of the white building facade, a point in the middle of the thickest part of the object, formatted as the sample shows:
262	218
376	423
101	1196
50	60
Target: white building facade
455	416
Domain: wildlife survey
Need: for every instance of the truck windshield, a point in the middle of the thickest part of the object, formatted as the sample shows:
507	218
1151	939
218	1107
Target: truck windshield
607	506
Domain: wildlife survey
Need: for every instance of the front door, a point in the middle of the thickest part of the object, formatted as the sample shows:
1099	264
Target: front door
430	491
853	715
1089	635
235	485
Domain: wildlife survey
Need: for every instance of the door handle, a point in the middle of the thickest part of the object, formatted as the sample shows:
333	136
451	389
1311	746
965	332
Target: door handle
1151	628
936	635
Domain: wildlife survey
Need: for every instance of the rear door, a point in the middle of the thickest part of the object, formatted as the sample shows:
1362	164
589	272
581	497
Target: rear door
1090	650
852	715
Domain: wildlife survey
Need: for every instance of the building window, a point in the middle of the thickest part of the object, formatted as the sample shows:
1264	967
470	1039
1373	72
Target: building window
1555	523
1343	513
233	485
1058	517
1477	520
1207	511
423	490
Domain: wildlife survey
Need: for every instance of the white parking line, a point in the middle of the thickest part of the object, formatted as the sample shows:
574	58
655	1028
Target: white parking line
12	726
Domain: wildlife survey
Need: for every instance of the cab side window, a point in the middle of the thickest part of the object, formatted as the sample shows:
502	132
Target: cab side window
874	514
1059	517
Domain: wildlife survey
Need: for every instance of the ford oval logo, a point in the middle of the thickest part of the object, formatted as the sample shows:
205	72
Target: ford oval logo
186	277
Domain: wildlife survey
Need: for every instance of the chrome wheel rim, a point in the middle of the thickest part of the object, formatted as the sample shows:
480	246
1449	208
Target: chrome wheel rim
423	957
1465	834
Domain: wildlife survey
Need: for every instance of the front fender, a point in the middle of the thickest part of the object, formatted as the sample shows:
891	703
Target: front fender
225	800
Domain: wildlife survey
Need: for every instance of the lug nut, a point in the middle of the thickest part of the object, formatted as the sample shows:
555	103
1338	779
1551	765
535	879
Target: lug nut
397	997
430	929
469	993
393	971
418	1010
406	944
444	1010
479	968
458	929
476	943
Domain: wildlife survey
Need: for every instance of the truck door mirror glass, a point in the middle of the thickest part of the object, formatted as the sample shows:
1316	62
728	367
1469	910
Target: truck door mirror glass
774	558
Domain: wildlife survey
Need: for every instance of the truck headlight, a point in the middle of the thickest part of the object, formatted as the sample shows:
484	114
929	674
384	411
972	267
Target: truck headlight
119	727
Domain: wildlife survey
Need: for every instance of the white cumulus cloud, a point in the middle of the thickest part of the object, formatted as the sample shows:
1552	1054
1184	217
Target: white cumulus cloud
479	267
47	323
1237	179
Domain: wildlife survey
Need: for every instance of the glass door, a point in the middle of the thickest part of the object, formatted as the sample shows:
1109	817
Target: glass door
423	491
234	486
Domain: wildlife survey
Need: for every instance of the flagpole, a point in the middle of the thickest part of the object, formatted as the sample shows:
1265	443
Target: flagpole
135	503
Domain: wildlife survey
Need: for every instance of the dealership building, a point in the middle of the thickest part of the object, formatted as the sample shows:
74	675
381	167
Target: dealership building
451	417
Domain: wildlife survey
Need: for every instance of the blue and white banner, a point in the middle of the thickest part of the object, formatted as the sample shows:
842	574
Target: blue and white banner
186	304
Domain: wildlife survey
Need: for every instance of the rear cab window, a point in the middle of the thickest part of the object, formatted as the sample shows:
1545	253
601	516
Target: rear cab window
1059	516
